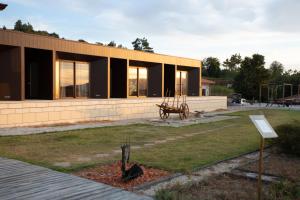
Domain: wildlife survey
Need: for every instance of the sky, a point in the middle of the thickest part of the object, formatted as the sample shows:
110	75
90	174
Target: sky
188	28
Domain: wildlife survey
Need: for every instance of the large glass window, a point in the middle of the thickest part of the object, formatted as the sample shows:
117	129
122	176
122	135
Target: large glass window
74	79
138	81
181	82
66	79
133	77
82	79
143	79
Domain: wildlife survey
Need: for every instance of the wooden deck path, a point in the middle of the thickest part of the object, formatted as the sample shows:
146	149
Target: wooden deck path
20	180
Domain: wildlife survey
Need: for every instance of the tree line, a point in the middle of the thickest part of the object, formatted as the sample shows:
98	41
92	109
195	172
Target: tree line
139	44
247	74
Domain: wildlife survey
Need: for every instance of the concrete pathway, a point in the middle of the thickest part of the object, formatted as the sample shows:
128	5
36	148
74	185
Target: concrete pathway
19	180
173	122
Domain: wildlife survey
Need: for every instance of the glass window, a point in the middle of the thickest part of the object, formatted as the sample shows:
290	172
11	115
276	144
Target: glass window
181	83
66	79
143	75
82	79
184	83
178	84
74	79
138	81
133	76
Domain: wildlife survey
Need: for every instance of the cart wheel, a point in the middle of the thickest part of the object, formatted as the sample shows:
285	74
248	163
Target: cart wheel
184	111
162	113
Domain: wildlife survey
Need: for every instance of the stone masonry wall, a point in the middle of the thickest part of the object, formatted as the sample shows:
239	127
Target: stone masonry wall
42	112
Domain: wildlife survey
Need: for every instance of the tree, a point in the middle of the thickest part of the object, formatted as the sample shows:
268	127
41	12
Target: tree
233	63
251	74
4	28
28	28
276	70
142	44
81	40
121	46
112	44
211	67
100	43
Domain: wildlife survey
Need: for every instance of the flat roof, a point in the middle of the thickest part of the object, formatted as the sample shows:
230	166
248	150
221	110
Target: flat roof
16	38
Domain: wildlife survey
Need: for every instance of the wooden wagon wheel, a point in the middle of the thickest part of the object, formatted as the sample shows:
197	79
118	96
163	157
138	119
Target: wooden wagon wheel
162	112
184	111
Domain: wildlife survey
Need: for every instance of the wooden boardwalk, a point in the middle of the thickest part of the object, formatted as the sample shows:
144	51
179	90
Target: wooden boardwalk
19	180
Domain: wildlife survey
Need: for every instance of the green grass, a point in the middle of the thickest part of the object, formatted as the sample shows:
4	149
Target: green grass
183	155
220	90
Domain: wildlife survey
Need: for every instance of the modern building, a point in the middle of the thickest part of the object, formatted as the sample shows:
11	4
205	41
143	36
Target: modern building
46	80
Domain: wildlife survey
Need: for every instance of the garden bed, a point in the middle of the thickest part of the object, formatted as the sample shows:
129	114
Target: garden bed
111	174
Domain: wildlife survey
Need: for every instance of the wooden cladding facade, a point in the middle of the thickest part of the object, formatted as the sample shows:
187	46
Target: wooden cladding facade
108	67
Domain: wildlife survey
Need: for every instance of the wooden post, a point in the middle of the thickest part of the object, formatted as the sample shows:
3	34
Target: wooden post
260	167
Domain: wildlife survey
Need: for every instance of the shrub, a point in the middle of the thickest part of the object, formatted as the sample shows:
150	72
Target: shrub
164	195
284	190
289	138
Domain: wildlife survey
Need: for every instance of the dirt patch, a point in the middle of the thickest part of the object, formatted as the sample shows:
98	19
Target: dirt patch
111	175
279	165
219	187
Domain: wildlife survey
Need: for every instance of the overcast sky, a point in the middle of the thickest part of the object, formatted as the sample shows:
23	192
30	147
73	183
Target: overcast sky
189	28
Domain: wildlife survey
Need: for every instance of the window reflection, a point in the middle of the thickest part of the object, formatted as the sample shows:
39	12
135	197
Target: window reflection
142	81
82	79
133	81
138	81
66	79
74	79
181	83
184	83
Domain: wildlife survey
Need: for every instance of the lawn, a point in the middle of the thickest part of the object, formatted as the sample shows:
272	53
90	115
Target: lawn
80	147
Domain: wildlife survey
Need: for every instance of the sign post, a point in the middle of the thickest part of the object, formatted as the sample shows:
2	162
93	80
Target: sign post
266	131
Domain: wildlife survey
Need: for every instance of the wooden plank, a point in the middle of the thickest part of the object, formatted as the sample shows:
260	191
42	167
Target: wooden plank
25	181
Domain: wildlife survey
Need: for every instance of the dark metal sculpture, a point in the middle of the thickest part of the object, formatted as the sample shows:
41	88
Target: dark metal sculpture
133	172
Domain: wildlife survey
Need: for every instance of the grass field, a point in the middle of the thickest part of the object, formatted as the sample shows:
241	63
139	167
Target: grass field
181	155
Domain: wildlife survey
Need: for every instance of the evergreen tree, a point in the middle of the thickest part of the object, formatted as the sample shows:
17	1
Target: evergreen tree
252	73
211	67
142	44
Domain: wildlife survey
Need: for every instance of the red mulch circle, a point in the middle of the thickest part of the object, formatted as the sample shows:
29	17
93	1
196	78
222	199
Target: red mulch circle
111	175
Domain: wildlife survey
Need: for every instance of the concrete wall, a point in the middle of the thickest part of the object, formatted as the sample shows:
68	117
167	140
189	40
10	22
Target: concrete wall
42	112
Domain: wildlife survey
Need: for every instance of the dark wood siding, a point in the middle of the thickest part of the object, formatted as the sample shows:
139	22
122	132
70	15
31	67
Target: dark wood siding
10	76
99	82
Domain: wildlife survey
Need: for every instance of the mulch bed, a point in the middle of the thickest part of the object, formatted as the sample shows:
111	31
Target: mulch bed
111	175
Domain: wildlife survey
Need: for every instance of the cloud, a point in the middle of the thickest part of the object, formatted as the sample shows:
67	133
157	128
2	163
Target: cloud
191	28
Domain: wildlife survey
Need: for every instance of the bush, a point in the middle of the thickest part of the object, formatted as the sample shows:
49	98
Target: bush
284	190
289	138
164	195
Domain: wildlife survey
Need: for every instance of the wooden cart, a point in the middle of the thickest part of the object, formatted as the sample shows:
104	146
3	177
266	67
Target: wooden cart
165	109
